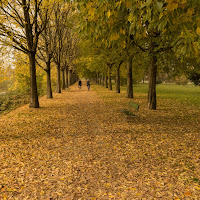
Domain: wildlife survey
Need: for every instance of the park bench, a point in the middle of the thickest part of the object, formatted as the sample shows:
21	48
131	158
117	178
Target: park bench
132	105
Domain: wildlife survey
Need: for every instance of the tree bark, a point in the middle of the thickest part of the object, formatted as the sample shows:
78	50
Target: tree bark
106	80
34	103
109	77
49	89
32	46
151	101
63	79
66	78
73	80
69	77
58	84
100	79
129	77
97	78
118	79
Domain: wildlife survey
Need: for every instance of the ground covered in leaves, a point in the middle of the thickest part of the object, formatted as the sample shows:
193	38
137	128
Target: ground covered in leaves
80	145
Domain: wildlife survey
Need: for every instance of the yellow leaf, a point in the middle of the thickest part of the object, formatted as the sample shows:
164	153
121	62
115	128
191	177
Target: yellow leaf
197	187
123	44
128	4
187	194
171	5
107	185
91	12
161	14
122	31
198	30
114	36
109	13
190	11
130	17
130	188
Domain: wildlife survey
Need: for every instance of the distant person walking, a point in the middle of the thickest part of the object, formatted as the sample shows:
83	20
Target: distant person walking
88	84
79	84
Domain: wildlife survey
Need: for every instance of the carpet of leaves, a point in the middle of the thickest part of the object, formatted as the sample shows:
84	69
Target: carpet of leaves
79	145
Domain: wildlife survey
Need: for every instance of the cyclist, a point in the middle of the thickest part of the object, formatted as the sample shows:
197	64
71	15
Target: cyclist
88	84
79	84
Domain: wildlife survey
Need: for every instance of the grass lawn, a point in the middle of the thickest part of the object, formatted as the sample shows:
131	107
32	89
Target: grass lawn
184	94
188	94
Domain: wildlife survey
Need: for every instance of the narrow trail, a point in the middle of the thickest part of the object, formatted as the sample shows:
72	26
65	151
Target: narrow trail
62	150
78	147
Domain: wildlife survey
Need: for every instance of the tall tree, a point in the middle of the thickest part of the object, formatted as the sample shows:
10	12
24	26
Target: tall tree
61	16
20	28
46	47
164	25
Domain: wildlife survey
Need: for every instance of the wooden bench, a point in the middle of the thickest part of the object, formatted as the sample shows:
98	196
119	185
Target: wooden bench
128	111
134	105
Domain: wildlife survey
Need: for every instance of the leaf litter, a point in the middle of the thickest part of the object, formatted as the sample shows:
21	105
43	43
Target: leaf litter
79	146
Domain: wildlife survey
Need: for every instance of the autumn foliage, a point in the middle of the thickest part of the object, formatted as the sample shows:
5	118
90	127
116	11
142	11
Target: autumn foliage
91	144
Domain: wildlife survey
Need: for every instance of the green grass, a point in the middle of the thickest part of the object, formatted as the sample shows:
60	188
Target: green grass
185	94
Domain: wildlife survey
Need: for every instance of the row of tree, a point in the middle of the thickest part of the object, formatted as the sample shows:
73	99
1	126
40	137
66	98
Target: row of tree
149	30
42	30
101	36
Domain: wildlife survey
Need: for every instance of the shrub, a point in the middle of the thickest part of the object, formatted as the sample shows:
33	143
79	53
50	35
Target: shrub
181	80
194	77
11	100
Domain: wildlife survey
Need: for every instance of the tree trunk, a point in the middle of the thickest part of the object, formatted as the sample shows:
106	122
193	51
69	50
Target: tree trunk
32	46
129	77
66	78
109	78
106	80
34	103
73	79
63	79
151	102
98	78
118	79
49	89
58	84
103	80
69	77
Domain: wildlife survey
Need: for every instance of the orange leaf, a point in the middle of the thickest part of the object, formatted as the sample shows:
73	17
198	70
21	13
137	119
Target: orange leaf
187	194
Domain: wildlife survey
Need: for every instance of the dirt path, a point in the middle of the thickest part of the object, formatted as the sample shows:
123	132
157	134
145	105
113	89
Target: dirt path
76	146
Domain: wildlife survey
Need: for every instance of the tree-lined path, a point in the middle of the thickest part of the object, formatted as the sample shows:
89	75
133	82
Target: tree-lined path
80	145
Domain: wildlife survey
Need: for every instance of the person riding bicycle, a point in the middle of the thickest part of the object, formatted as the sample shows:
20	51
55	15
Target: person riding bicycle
79	84
88	84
